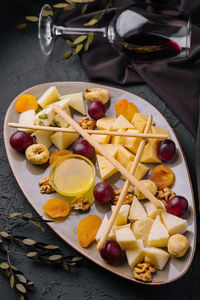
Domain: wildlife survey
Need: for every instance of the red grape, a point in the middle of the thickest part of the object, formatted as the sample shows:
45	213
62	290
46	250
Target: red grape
96	110
82	147
103	192
166	150
111	252
177	205
20	140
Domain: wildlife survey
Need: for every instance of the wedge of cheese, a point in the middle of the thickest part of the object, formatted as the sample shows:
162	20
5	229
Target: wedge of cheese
122	216
102	228
63	140
125	237
150	154
51	95
139	121
105	167
136	255
105	123
26	118
140	171
158	235
76	102
119	140
124	156
111	149
141	229
101	139
137	211
158	130
149	185
152	210
155	256
173	223
43	137
121	123
132	143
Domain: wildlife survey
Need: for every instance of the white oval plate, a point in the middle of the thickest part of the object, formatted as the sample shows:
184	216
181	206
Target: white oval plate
27	176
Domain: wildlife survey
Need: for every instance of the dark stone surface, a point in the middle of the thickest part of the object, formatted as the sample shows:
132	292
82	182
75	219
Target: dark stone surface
21	66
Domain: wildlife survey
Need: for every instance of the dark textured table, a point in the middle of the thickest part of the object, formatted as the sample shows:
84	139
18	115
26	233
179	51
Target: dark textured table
21	66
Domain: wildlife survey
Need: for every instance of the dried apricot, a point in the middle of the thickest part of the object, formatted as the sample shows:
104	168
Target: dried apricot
58	154
56	208
26	102
162	176
87	230
125	108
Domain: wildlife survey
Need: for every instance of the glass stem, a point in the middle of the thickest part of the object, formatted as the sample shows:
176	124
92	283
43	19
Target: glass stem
59	30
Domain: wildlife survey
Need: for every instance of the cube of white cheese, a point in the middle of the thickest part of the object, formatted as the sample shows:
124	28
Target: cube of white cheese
102	228
136	255
158	235
157	257
63	140
45	117
26	118
43	137
51	95
173	223
122	216
137	211
125	237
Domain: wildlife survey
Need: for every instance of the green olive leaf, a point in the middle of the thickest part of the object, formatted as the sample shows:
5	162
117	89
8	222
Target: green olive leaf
4	234
21	278
28	215
84	8
31	18
60	5
51	247
32	254
89	41
78	48
70	43
4	265
65	266
12	281
80	39
29	242
21	26
55	257
65	56
13	215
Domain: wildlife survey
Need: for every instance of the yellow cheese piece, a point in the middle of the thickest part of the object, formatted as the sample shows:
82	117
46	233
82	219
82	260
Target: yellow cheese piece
132	143
76	102
102	228
105	167
158	235
141	229
152	210
124	156
51	95
119	140
150	154
105	123
136	255
155	256
121	123
122	216
63	140
149	185
157	130
173	223
26	118
139	121
111	149
101	139
136	210
140	171
125	237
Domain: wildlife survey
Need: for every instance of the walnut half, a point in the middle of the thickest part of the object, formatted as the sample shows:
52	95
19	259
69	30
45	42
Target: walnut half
86	123
143	271
80	203
127	200
164	195
45	186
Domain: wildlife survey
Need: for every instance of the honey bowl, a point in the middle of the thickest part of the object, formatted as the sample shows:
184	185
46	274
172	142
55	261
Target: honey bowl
72	175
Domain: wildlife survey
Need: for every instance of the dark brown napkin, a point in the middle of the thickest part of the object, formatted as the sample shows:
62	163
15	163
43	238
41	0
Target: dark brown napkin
177	83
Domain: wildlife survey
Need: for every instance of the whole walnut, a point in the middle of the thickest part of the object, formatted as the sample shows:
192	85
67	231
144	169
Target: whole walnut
97	94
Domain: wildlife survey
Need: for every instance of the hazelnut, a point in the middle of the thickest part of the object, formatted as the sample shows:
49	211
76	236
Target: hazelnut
97	94
177	245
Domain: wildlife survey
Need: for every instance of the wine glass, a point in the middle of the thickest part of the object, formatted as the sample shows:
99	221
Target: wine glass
141	34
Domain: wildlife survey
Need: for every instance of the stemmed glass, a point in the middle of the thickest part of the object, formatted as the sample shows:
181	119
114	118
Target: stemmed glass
138	33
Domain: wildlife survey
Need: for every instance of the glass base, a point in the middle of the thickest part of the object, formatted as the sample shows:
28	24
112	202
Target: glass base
45	29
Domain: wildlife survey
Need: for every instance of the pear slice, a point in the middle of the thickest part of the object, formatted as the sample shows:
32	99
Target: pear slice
157	257
136	211
136	255
158	235
51	95
173	223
